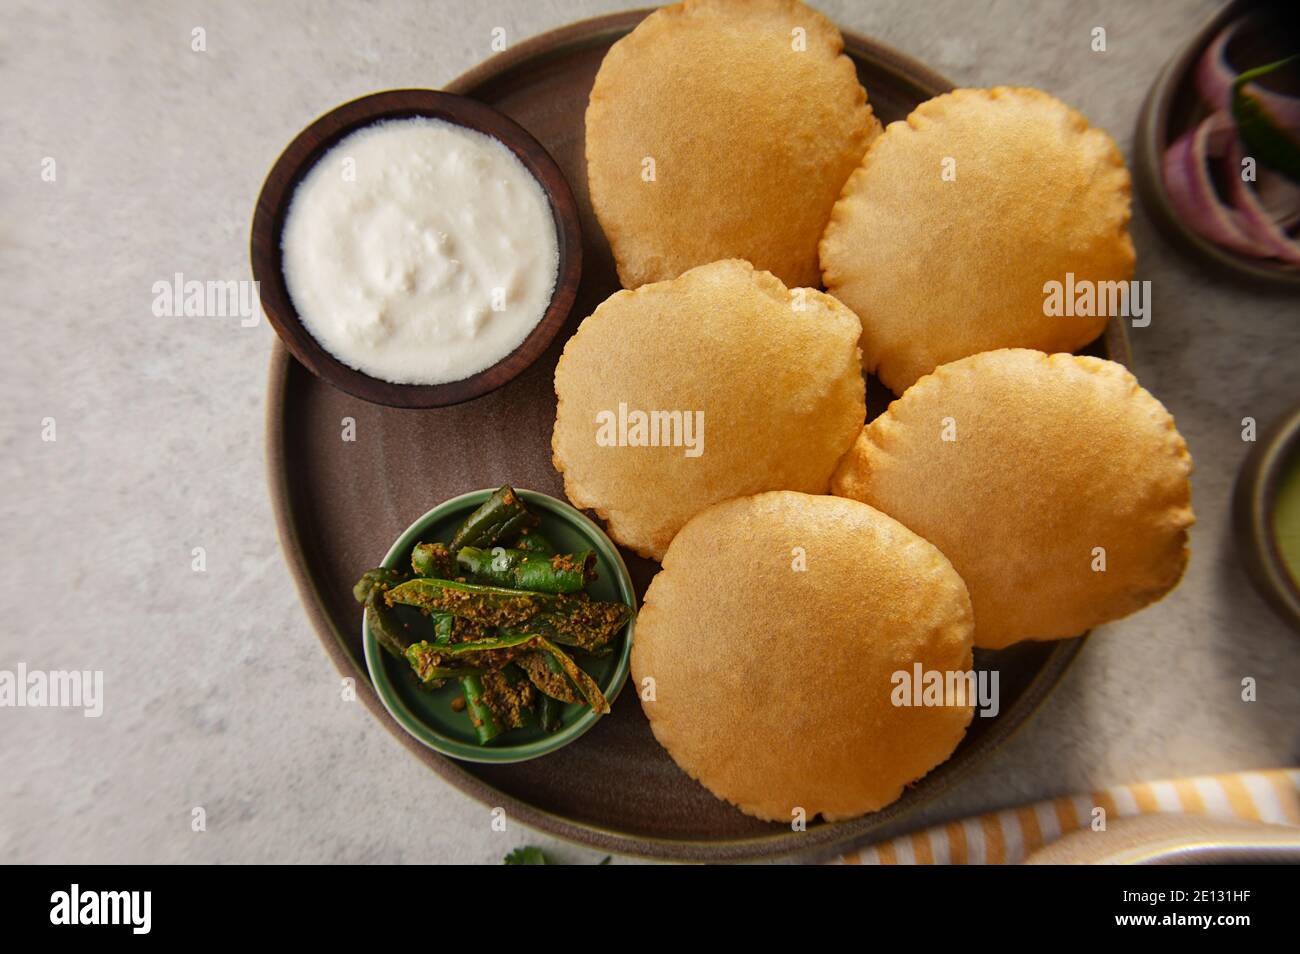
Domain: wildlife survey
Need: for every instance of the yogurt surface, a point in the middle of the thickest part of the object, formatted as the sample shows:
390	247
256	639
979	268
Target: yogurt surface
420	252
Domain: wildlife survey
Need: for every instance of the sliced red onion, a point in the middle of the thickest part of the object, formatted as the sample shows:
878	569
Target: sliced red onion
1260	226
1284	110
1279	196
1258	218
1191	190
1215	76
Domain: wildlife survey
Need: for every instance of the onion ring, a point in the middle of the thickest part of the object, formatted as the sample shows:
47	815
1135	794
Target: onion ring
1191	190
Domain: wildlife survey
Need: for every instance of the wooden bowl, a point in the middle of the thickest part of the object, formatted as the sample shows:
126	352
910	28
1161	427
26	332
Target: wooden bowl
1171	108
315	141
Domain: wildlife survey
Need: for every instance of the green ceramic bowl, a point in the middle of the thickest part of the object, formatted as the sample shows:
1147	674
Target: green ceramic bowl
1266	511
428	715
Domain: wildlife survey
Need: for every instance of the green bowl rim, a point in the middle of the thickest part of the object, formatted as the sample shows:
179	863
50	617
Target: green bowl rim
1254	501
501	754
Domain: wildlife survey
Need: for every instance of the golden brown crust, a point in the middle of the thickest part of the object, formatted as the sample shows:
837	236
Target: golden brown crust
1053	456
751	139
776	373
772	685
938	270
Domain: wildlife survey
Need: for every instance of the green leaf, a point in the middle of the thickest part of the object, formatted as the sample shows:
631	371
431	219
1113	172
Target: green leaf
527	855
1266	140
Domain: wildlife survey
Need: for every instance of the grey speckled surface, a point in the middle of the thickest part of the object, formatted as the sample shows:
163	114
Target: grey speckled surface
217	693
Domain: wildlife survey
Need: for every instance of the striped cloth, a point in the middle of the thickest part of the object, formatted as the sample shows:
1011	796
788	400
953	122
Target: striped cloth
1006	837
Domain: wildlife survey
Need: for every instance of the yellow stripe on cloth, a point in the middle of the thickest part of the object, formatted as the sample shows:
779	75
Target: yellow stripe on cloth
956	843
1008	836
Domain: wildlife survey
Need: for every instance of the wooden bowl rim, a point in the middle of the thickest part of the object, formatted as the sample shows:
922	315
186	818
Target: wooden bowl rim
319	137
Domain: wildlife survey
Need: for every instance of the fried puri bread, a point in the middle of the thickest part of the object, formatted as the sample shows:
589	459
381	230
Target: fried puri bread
723	129
717	384
1055	484
945	236
767	648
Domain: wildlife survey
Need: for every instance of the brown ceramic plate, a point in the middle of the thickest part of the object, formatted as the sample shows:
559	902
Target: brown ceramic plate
340	505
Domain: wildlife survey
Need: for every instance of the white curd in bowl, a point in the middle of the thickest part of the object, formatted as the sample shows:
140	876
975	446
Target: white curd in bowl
420	252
